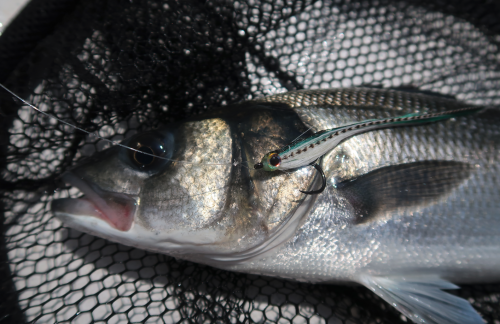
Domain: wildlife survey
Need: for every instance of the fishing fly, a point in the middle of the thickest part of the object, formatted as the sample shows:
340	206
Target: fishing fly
306	152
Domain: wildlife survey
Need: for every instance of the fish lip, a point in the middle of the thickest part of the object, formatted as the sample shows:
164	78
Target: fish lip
117	209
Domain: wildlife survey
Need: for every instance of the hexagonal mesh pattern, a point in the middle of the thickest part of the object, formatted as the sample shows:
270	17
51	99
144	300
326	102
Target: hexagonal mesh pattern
117	67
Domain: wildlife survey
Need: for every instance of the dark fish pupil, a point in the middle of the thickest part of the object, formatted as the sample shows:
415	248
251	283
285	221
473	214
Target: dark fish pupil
151	151
275	160
143	158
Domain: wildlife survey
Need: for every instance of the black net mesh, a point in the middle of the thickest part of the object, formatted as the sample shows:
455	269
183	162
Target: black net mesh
117	67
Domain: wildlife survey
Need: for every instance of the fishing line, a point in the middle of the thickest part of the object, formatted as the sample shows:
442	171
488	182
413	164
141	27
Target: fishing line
105	139
297	138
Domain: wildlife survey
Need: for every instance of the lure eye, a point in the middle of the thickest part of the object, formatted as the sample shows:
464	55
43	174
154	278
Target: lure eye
274	159
270	162
153	151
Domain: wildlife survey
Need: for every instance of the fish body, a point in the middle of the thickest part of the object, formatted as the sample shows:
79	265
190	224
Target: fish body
406	212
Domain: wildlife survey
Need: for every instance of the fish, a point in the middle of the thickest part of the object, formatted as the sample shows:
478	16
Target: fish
407	212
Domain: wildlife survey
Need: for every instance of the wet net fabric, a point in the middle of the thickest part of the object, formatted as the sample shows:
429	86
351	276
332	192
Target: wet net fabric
118	67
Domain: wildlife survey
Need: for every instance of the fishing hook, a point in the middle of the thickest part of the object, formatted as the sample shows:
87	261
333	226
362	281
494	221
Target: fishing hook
323	178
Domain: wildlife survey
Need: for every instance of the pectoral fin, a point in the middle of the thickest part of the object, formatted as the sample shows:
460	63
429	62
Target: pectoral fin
421	299
402	186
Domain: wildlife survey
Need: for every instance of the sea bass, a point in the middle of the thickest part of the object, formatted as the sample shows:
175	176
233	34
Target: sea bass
406	212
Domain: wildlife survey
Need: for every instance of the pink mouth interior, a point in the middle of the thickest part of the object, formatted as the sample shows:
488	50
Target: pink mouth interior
116	209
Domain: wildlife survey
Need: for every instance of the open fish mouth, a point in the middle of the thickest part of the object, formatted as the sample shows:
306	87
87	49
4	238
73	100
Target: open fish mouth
116	209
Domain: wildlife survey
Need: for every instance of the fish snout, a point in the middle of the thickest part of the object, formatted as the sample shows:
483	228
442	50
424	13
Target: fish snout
116	209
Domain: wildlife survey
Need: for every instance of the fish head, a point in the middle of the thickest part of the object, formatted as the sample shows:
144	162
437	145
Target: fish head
198	194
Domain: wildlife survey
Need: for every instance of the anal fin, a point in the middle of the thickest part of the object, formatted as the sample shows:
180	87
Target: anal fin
421	299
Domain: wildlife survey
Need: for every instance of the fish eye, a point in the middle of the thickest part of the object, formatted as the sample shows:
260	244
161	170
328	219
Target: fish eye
274	159
151	151
144	159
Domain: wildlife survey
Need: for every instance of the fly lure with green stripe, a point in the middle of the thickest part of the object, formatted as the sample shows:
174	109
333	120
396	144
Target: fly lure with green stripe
308	151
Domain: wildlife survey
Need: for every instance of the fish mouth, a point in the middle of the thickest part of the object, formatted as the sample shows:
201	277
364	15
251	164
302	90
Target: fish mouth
116	209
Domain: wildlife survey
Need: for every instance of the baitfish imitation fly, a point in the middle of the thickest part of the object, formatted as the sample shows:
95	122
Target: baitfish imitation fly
306	152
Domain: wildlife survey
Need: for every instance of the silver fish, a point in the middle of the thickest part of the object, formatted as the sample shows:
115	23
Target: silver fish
407	212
